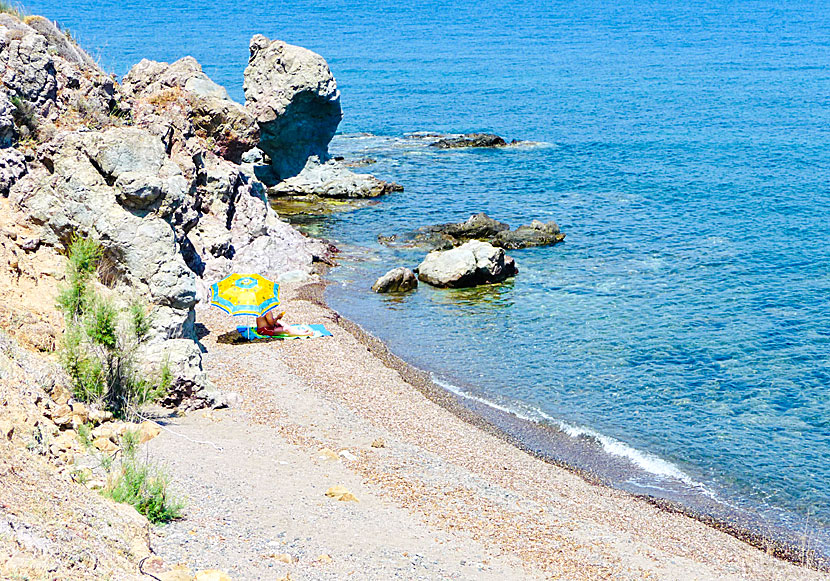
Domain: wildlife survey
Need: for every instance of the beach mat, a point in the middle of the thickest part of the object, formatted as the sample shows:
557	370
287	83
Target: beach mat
249	334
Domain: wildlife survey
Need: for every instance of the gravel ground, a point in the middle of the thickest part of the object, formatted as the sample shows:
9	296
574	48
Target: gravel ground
442	499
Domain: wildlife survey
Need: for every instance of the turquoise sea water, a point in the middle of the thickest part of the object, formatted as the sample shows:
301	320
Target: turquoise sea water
684	325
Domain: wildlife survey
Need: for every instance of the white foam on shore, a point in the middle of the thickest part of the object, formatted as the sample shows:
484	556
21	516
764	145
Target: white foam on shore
646	461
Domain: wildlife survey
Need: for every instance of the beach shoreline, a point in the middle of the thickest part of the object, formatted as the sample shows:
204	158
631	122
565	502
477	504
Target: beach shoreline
457	472
516	431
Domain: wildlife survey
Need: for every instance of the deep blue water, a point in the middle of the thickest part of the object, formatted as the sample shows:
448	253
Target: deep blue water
685	155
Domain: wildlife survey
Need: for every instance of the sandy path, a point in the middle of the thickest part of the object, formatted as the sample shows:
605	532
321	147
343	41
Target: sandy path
442	500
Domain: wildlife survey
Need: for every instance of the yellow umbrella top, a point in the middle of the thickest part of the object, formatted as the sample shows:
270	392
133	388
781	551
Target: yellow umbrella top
245	294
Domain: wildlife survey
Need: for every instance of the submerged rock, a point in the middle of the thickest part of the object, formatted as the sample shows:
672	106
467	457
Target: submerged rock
396	280
292	94
471	264
536	234
470	140
478	227
332	180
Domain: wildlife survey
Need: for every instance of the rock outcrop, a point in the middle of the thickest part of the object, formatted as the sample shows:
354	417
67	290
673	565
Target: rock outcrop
183	94
332	180
396	280
470	140
478	227
150	170
471	264
536	234
292	94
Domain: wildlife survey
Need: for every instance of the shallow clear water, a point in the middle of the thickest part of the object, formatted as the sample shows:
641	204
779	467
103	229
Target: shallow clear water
684	155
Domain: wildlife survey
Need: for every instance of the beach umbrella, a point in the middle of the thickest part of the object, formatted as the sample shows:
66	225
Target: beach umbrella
245	294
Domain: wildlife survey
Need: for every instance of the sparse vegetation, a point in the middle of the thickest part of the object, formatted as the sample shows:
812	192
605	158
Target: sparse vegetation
143	485
25	117
13	8
97	352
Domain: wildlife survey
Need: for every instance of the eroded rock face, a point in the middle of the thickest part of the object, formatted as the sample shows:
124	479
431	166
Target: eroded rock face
51	74
471	264
183	93
396	280
294	98
332	180
12	168
149	170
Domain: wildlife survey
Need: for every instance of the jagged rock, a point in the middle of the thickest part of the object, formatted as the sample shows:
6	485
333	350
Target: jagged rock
29	70
445	236
52	74
476	226
8	131
12	168
204	104
294	98
332	180
396	280
231	127
537	234
184	362
479	227
60	43
473	263
470	140
151	77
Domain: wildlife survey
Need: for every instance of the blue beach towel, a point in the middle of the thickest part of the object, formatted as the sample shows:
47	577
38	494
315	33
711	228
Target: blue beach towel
312	331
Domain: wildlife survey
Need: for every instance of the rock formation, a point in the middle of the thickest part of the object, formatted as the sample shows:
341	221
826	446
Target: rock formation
478	227
470	140
293	96
396	280
537	234
473	263
149	169
333	180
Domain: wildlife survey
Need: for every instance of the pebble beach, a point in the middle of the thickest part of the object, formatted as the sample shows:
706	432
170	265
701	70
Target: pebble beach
417	489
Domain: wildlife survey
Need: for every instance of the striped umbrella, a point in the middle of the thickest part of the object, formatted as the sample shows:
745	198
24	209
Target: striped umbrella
245	294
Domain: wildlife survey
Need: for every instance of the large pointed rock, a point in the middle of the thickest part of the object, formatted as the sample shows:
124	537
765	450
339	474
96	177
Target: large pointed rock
294	98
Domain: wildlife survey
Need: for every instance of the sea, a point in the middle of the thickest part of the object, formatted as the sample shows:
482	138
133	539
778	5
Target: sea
678	342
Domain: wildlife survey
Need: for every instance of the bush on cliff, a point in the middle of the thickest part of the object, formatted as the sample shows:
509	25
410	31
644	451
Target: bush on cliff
143	485
97	352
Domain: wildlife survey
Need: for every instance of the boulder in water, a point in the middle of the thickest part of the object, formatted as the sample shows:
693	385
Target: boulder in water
537	234
396	280
470	140
471	264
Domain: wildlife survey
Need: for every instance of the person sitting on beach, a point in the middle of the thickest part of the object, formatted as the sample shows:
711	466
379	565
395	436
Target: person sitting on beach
270	325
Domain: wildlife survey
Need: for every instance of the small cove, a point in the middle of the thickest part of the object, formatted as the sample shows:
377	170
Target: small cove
684	155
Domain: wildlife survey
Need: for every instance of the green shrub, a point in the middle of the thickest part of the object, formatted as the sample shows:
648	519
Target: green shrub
101	324
144	485
140	321
85	435
25	117
97	356
13	8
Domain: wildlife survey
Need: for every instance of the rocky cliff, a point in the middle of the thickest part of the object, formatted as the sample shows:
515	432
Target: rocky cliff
153	169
